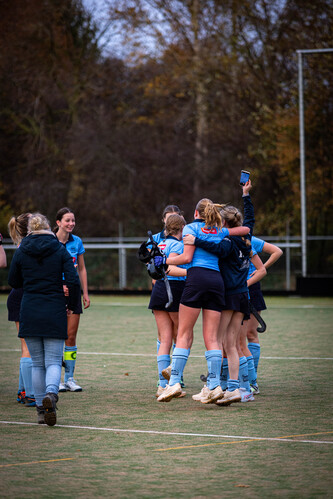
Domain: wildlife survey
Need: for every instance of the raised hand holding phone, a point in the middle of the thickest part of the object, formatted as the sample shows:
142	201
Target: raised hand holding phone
244	177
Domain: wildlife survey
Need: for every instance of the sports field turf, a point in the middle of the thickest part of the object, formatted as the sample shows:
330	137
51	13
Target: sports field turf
115	440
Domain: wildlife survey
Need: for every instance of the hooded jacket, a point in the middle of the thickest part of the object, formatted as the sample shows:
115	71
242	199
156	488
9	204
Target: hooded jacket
38	266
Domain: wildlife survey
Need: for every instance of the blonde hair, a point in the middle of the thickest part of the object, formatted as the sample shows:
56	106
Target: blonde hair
37	221
210	213
174	224
18	227
231	215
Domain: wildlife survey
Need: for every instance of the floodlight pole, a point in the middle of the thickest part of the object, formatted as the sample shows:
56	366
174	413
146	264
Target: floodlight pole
302	153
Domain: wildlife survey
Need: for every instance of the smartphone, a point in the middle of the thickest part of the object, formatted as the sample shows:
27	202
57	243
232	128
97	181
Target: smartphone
244	177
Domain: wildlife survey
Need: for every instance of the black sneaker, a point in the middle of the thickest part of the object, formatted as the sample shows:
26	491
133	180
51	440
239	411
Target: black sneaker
40	415
49	404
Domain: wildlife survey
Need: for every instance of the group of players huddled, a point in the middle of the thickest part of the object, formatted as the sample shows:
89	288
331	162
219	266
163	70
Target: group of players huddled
212	265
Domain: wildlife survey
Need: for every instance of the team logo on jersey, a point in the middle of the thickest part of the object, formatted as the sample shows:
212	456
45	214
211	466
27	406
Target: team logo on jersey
162	246
209	231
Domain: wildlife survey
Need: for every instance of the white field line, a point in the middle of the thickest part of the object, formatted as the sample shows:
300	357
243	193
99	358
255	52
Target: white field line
119	354
176	434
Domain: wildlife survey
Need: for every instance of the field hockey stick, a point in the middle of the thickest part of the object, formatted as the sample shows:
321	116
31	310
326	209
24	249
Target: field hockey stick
166	281
262	327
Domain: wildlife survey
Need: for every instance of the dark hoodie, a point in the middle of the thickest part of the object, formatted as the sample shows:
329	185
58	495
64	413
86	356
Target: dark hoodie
38	266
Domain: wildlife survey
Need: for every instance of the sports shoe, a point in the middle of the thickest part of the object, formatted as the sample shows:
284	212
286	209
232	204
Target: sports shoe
72	386
229	398
246	396
170	392
62	387
255	389
49	404
20	397
211	395
198	396
182	394
166	373
30	402
160	390
40	415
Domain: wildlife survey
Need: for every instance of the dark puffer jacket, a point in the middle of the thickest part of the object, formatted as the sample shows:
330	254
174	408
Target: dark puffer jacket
38	266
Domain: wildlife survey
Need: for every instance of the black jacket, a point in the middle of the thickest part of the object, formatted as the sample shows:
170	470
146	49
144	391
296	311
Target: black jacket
234	254
38	266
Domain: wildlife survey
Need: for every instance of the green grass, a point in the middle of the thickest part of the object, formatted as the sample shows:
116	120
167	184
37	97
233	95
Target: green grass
88	461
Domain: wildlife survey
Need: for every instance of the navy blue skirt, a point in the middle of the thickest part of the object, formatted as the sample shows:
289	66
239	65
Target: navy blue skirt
204	288
14	304
78	304
256	297
159	296
238	302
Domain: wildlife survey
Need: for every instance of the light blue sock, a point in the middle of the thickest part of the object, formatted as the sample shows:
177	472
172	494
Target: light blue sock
224	374
233	384
21	384
163	361
244	374
26	369
70	360
157	346
251	370
214	362
179	359
255	350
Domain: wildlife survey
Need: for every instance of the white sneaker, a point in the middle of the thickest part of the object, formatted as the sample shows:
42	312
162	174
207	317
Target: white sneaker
62	387
166	373
211	395
198	396
72	386
246	396
170	392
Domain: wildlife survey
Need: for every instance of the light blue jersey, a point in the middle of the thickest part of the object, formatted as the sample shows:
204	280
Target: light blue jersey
75	248
257	246
173	245
202	258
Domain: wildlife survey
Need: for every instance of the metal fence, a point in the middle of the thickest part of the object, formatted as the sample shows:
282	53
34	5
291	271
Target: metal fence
112	263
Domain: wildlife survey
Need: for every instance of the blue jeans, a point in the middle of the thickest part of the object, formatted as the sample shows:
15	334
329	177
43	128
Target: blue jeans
46	355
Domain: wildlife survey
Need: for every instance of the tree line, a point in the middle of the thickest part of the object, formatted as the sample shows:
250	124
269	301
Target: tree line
202	90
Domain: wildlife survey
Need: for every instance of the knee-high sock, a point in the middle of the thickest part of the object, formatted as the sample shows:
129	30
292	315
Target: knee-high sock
244	374
163	361
214	362
255	350
224	374
179	359
21	387
70	360
26	370
233	384
251	370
